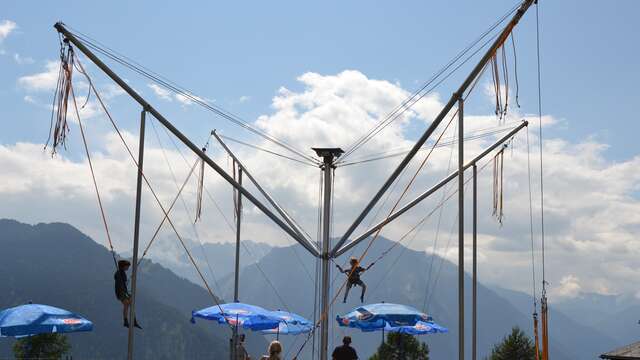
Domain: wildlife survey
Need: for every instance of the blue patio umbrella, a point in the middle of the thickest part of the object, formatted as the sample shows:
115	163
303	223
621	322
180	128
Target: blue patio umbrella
239	314
34	319
374	317
420	328
290	324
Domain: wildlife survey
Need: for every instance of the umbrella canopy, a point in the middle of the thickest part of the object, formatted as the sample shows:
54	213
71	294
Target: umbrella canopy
290	324
289	329
33	319
243	315
420	328
374	317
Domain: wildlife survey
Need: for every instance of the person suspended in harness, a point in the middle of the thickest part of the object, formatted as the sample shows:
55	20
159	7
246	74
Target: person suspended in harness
122	292
353	277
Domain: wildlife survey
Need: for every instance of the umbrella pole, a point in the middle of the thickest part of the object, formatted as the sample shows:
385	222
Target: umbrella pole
234	341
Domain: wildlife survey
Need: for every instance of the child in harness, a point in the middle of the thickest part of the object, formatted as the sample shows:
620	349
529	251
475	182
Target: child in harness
353	279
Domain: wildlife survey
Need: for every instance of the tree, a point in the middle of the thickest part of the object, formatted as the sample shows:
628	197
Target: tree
43	346
401	347
516	346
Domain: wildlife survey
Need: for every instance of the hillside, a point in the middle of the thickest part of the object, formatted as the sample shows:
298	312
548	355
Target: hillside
404	282
58	265
168	252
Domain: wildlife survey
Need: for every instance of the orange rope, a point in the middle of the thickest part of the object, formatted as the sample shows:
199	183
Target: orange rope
535	335
545	328
93	175
146	180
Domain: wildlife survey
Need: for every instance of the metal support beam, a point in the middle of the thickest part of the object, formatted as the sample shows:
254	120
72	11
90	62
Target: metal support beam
236	283
326	223
450	104
427	193
328	156
460	227
303	239
474	291
167	124
136	237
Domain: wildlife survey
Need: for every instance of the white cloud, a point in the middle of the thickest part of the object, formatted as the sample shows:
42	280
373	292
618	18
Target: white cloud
22	60
244	98
161	92
592	211
569	287
168	95
42	81
184	100
111	91
6	28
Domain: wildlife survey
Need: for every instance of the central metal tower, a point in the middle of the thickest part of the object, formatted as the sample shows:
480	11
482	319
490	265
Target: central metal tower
328	155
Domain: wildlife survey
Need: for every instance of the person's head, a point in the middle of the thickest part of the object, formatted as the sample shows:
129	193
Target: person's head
346	340
241	337
275	348
353	261
124	265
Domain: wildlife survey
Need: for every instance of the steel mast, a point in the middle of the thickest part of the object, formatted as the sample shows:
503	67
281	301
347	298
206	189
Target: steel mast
328	155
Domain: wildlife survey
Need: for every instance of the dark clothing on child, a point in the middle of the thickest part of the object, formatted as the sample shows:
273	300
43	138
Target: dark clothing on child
354	274
344	352
120	278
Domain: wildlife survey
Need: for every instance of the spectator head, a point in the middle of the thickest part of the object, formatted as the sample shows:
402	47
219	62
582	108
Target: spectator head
123	264
275	348
346	340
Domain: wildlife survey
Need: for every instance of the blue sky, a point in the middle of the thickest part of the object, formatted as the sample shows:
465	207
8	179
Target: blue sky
240	54
226	50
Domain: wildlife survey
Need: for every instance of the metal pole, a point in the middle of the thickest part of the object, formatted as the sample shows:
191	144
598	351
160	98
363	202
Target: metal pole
474	316
236	288
136	236
460	227
434	124
326	223
427	193
269	198
238	223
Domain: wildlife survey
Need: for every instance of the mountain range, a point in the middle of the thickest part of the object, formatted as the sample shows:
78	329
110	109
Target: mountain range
58	265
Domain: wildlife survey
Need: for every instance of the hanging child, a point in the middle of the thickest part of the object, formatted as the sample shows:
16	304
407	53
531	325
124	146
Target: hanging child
353	279
122	291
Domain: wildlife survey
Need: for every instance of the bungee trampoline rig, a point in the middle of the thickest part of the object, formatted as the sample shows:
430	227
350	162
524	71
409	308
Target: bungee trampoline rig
495	60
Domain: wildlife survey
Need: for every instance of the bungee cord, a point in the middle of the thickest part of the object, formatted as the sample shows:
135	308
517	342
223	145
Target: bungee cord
421	93
388	155
439	225
93	177
59	126
533	262
184	204
377	232
267	150
177	89
144	177
230	226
